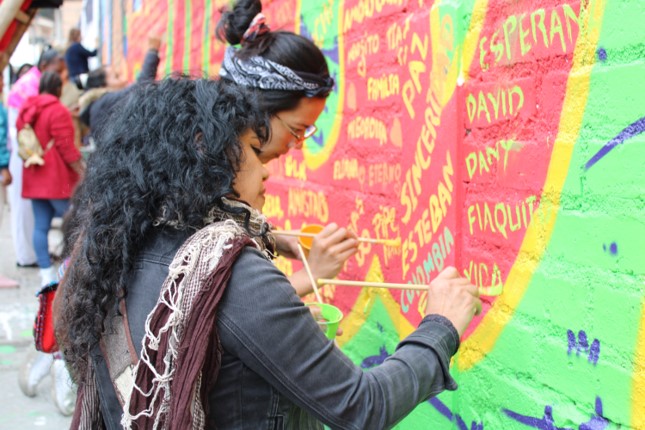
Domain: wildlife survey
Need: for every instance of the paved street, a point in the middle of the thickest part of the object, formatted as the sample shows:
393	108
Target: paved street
17	311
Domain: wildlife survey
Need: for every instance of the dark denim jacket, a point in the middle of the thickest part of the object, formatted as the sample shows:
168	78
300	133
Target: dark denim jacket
278	369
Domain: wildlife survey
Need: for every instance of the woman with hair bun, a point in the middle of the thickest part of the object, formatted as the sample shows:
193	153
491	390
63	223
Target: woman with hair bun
291	78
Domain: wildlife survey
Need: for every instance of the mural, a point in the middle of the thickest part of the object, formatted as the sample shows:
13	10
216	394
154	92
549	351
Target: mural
502	137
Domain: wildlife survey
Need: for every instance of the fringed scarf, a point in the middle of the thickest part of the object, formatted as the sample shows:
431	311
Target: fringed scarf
181	354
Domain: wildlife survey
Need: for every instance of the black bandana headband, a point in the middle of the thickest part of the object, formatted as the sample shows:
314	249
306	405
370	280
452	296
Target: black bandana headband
258	72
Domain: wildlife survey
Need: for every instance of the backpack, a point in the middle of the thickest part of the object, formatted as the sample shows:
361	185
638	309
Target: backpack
29	147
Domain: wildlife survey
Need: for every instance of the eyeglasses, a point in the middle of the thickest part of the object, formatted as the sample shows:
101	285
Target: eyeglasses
309	131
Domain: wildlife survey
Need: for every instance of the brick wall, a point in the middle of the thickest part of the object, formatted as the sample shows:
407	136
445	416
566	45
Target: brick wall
504	138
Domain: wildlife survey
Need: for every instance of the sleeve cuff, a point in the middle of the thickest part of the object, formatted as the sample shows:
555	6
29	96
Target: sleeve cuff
437	333
441	320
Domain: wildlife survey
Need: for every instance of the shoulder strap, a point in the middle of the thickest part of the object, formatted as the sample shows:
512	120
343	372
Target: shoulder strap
32	124
119	352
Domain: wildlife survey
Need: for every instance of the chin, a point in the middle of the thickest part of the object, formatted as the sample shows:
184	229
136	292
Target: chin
259	204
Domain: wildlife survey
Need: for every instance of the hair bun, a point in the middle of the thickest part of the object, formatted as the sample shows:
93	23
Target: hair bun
234	23
258	27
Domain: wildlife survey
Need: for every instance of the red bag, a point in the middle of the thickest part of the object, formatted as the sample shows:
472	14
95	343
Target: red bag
44	324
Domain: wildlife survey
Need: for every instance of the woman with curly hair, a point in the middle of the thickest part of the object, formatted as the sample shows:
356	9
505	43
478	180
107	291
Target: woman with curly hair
171	314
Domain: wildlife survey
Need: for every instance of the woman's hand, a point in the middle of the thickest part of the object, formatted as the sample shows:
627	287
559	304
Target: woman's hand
453	297
287	246
78	166
330	249
317	314
5	177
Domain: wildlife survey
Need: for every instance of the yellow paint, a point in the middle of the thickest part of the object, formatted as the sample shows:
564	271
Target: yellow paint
638	387
358	52
352	323
351	97
540	229
515	216
296	19
384	174
347	169
294	168
486	277
431	218
483	161
472	36
396	134
365	9
273	207
314	161
364	248
442	83
501	103
367	128
307	203
517	31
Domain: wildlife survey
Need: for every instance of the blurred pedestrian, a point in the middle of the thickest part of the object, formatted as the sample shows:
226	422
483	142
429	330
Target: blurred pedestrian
51	185
97	113
5	175
76	55
22	220
20	72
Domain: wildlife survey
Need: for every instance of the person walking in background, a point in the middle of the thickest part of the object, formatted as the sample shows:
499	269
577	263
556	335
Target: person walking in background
22	219
51	185
20	72
96	113
5	174
76	55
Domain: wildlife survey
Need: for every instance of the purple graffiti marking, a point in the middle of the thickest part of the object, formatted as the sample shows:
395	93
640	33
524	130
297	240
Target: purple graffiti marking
594	352
597	421
446	412
544	423
375	360
628	132
581	345
602	54
613	248
318	138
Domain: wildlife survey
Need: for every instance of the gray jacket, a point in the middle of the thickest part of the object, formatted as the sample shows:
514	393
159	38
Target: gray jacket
278	369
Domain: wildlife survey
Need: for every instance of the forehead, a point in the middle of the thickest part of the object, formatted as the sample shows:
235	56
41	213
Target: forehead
306	112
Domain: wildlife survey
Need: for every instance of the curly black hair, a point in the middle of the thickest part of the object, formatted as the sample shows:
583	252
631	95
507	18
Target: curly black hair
170	153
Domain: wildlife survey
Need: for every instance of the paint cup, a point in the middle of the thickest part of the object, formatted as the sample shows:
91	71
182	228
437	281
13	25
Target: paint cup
328	319
307	242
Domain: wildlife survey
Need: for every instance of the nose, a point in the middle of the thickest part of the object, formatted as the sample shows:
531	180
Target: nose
265	173
297	144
